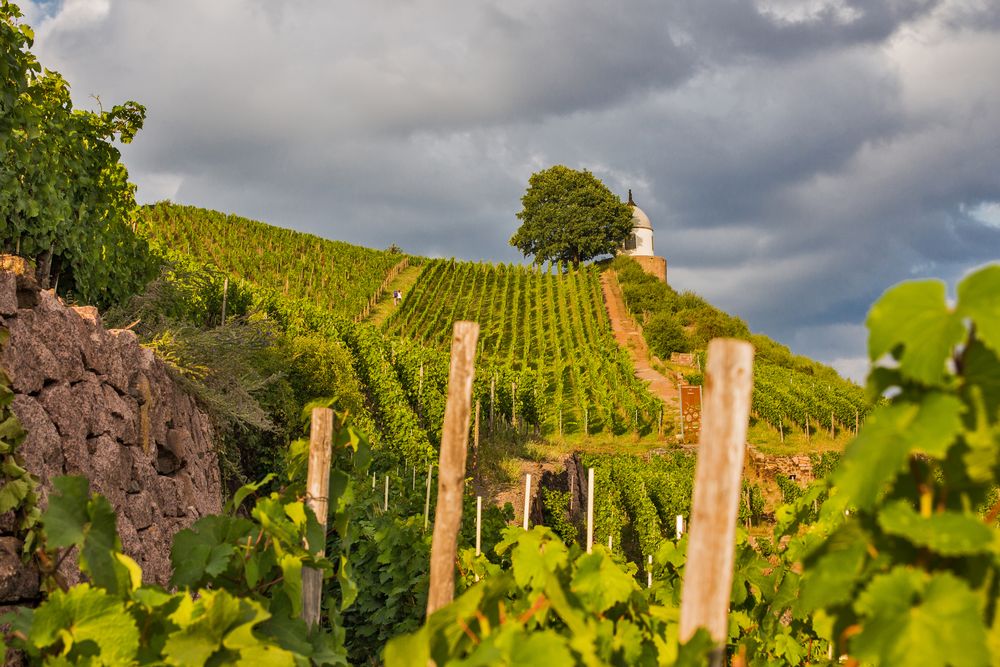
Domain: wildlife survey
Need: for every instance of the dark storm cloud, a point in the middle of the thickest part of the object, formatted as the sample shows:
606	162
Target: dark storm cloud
796	156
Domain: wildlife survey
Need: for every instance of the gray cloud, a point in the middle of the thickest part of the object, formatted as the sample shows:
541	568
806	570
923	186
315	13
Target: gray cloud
796	156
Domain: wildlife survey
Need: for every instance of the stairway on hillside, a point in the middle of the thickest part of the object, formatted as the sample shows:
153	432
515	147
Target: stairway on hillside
630	337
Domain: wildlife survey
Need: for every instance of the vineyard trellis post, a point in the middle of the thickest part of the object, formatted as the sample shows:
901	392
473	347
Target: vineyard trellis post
856	420
513	404
479	525
649	571
225	295
451	474
527	498
475	449
590	510
831	424
808	434
680	403
721	449
317	499
781	428
385	503
427	499
679	526
493	400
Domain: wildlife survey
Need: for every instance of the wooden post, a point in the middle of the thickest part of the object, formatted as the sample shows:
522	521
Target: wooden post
649	571
680	402
586	421
527	498
610	542
479	524
659	424
513	404
317	498
721	449
781	428
475	448
590	510
808	435
373	480
451	473
413	487
385	504
225	294
831	424
679	526
493	399
856	420
427	499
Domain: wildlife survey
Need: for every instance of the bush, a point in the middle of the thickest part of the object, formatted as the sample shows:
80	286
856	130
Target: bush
664	335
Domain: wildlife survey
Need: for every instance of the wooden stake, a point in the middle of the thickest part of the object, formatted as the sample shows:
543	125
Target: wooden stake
451	473
225	294
414	486
590	510
831	423
317	499
427	499
527	498
479	524
610	542
659	424
721	449
475	449
385	504
808	436
493	399
649	571
679	526
513	404
680	402
781	429
856	421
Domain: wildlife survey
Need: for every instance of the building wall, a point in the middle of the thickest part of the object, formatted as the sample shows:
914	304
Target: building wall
654	266
643	243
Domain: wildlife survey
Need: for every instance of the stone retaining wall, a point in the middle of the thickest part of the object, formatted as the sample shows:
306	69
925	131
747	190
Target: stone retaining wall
95	403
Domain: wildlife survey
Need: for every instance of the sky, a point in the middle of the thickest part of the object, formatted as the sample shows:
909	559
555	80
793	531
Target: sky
796	157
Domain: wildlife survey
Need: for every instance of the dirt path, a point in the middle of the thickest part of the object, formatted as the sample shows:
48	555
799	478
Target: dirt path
403	281
629	337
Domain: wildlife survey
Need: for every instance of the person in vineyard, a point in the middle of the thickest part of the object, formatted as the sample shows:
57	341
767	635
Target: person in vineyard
397	296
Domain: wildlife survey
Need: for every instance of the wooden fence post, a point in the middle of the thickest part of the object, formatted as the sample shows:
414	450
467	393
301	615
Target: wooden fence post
427	499
527	498
451	472
317	499
475	449
590	510
709	573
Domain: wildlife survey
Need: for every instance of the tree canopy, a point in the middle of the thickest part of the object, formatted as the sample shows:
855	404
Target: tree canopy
570	216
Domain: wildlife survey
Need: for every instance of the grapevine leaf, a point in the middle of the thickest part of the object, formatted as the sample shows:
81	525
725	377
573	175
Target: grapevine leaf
979	300
204	550
915	621
982	392
536	555
98	553
66	516
787	647
883	446
949	534
543	649
832	571
291	569
12	493
915	315
410	649
83	618
601	583
241	494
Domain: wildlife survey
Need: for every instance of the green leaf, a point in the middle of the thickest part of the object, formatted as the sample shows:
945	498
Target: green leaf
915	315
832	572
909	619
949	533
544	649
83	618
291	568
537	554
66	517
885	443
600	582
12	493
241	494
204	551
100	546
979	300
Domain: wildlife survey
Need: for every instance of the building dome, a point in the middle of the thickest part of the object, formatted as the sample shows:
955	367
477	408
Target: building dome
639	242
639	219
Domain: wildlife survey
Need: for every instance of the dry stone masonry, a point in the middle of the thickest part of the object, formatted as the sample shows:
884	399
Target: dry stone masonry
95	403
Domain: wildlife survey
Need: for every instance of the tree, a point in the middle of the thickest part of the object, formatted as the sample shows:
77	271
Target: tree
570	216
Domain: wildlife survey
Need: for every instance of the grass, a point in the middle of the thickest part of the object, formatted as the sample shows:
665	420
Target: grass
404	281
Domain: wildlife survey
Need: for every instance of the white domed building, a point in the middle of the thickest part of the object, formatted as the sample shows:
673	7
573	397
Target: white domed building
639	243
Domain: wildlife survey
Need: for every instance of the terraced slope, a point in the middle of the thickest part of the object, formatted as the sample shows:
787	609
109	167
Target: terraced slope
550	325
336	276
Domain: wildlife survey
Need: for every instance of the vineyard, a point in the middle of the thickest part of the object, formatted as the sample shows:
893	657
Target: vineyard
547	327
785	398
339	277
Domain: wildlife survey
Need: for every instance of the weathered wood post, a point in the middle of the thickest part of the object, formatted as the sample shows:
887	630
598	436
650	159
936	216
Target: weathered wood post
527	498
225	296
317	499
427	499
590	510
385	503
451	473
475	449
721	449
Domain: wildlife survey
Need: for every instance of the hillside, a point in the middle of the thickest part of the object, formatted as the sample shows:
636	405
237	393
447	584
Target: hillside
338	277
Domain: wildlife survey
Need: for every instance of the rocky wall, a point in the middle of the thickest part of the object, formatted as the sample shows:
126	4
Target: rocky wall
95	403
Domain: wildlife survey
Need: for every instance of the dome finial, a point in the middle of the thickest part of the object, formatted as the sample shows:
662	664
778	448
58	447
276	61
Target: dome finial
630	202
